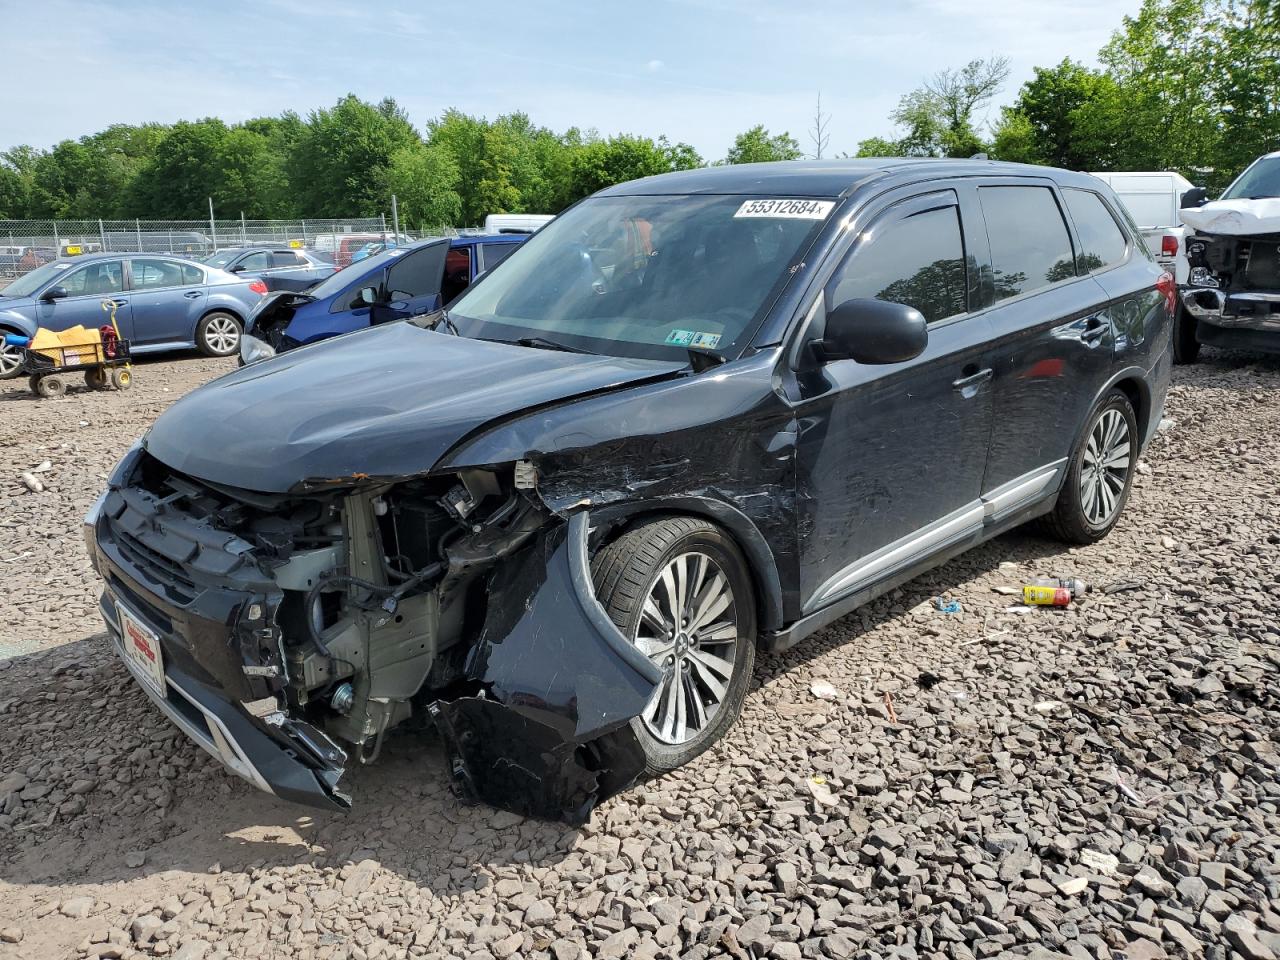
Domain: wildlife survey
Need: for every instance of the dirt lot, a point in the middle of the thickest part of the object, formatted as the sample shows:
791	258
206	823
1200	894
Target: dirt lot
1054	784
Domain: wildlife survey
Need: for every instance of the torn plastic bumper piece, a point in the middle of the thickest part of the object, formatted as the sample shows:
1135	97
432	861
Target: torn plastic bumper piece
549	736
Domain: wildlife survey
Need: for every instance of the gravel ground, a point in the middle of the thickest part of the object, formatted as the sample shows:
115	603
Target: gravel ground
1098	782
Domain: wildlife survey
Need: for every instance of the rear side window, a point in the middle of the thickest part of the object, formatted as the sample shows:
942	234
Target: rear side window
917	260
259	260
192	274
149	274
492	254
1102	242
1030	245
287	258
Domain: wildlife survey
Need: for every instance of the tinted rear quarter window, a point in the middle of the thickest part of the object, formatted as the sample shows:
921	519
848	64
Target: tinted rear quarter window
1102	242
917	260
492	254
1030	245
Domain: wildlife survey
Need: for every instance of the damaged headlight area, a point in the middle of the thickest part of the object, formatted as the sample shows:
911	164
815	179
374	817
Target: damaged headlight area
265	332
298	629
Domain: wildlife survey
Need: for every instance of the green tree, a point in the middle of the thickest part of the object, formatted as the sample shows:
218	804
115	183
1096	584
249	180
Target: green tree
602	163
424	179
186	169
1162	61
338	165
1066	116
79	179
758	146
462	136
495	190
880	147
938	119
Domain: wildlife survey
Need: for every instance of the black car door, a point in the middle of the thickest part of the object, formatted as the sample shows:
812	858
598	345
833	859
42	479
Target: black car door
1052	348
891	457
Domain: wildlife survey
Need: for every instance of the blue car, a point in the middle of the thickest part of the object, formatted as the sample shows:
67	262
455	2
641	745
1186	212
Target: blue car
162	303
403	281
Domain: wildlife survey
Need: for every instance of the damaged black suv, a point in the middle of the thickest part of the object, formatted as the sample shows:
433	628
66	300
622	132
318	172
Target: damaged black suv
696	415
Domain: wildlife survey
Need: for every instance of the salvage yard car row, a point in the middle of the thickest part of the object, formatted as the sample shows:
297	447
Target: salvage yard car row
694	415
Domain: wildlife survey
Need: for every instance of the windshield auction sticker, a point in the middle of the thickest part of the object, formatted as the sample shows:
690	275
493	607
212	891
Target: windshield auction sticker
783	209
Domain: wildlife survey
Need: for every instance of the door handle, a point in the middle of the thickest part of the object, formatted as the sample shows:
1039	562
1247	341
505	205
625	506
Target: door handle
192	294
974	379
120	303
1094	329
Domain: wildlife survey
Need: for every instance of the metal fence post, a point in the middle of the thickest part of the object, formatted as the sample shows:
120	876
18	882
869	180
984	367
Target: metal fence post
243	237
137	226
57	242
383	218
102	233
171	239
395	219
213	227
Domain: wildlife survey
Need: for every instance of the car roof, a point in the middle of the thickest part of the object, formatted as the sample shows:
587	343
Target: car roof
826	178
489	238
91	257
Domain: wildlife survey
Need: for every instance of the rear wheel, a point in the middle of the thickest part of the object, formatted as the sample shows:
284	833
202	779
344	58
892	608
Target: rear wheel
1099	474
97	378
218	334
121	378
679	589
1186	348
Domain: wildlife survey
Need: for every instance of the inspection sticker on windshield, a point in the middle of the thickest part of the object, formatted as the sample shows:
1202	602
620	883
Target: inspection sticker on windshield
694	338
784	209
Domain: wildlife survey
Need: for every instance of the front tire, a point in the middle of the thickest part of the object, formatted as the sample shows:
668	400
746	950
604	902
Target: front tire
10	359
1186	348
679	589
218	334
1099	474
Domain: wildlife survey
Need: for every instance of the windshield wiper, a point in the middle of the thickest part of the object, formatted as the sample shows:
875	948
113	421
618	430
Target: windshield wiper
543	343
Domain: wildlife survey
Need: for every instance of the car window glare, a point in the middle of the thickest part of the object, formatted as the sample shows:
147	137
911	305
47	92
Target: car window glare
1030	245
29	283
1102	242
918	260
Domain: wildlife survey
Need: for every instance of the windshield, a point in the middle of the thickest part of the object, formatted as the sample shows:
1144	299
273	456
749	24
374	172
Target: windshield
1260	180
646	276
221	258
29	283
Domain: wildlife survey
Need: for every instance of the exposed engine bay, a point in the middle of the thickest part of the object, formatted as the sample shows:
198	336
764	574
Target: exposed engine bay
350	610
1233	284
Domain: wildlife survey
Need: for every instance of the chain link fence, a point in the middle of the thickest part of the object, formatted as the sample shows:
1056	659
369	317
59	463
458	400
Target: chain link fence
27	244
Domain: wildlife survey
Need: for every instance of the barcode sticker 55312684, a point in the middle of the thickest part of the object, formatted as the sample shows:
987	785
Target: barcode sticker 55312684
782	208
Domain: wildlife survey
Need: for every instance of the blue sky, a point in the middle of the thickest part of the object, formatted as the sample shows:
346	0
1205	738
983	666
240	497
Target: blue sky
696	70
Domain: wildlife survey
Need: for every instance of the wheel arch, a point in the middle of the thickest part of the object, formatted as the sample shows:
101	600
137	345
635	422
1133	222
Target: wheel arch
221	308
746	536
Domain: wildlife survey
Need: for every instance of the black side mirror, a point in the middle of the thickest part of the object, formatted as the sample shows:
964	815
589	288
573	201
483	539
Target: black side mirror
1195	197
54	293
873	331
238	268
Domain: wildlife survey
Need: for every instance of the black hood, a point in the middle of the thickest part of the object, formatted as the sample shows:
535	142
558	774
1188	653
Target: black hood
385	402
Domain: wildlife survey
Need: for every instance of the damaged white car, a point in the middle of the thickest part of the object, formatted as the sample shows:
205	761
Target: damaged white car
1232	298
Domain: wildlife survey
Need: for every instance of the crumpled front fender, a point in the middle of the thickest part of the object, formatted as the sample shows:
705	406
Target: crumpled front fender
549	734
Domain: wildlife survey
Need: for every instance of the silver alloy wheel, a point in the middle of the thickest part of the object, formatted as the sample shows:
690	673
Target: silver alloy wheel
689	628
1104	467
10	358
222	334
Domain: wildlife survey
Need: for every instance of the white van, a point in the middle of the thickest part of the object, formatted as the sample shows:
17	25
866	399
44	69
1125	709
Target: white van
516	222
1153	199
